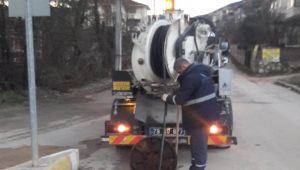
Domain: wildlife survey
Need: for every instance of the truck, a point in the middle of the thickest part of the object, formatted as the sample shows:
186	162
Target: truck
137	116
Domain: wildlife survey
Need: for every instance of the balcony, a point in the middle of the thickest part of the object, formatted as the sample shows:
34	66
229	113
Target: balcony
292	13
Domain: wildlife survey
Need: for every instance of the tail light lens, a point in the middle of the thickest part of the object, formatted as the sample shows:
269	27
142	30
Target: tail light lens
214	129
122	128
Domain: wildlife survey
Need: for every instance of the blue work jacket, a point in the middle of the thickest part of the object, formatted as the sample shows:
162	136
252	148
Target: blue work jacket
196	96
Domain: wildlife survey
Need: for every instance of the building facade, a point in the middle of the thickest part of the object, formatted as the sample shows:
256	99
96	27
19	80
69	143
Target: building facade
133	13
290	21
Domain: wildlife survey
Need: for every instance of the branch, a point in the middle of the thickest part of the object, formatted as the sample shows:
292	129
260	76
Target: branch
62	18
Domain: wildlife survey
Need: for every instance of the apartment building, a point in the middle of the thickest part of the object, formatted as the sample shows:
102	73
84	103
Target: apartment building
290	22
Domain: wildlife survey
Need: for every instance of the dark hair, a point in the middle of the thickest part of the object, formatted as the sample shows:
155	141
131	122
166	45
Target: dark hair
179	62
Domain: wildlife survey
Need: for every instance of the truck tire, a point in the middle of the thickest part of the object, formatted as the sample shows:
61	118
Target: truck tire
230	123
121	147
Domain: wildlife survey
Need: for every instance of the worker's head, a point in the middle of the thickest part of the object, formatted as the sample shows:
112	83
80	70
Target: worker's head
180	65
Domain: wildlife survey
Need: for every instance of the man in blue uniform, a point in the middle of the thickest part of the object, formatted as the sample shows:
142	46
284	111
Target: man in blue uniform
199	106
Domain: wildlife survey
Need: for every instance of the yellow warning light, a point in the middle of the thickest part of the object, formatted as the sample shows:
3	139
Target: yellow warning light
169	5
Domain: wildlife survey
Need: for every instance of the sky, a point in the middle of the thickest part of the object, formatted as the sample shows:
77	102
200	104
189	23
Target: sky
190	7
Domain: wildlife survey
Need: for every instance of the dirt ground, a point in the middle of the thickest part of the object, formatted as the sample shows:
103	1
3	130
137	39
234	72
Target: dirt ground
55	111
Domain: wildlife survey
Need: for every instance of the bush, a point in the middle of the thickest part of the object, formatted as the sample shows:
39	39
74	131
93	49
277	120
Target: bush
10	97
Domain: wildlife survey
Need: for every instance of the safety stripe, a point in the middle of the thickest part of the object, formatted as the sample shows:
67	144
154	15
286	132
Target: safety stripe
201	99
133	139
203	75
125	140
199	166
217	140
118	139
174	100
136	140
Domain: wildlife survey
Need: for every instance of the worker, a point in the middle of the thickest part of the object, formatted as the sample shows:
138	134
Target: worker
199	106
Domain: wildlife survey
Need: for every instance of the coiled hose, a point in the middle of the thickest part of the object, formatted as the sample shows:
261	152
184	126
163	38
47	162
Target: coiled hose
157	51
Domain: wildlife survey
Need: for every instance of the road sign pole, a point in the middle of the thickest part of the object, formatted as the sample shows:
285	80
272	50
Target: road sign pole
118	36
31	82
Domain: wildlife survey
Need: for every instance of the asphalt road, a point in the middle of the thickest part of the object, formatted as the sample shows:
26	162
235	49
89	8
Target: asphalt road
266	117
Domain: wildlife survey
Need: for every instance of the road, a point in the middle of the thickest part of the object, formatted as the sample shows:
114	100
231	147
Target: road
266	117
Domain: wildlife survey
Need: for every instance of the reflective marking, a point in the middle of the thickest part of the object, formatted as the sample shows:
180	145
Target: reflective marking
174	100
201	99
200	165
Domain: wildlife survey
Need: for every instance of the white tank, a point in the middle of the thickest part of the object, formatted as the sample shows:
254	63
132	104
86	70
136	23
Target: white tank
140	58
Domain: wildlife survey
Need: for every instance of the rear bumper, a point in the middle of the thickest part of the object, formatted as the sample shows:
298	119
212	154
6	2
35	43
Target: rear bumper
183	140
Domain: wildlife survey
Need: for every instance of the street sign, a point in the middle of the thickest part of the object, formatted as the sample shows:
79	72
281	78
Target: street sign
39	8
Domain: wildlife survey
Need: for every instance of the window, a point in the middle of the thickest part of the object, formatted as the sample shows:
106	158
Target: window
131	9
297	3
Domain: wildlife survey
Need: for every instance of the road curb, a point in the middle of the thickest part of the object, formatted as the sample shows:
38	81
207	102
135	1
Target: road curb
65	160
284	84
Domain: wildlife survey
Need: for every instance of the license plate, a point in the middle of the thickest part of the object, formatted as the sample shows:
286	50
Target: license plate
169	131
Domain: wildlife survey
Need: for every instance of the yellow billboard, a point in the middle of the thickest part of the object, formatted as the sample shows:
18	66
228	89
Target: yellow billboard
271	54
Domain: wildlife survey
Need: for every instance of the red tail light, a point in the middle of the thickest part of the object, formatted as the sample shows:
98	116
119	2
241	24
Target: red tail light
214	129
123	128
118	128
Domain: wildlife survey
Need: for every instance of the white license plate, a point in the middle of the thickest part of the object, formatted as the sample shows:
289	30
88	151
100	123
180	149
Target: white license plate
169	131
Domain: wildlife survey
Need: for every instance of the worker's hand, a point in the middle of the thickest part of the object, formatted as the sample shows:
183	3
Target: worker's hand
164	97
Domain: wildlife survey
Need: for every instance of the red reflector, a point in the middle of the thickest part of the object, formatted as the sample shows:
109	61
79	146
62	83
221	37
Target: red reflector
228	141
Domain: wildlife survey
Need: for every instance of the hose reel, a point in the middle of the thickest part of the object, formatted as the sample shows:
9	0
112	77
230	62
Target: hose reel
157	48
145	155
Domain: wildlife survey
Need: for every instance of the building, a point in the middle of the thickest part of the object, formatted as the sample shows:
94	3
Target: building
232	11
289	22
289	8
133	13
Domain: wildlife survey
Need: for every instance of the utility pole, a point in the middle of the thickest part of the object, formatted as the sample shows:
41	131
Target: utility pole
154	8
118	36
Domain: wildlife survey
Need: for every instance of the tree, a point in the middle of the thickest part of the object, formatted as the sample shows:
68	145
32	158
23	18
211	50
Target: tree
72	47
258	25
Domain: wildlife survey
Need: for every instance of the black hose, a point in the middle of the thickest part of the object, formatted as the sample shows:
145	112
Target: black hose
209	22
195	39
157	51
165	112
181	38
213	28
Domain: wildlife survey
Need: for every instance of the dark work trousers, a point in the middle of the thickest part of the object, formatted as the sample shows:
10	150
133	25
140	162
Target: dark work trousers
199	137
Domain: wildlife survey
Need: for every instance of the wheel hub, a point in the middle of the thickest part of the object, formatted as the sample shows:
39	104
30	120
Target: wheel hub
145	155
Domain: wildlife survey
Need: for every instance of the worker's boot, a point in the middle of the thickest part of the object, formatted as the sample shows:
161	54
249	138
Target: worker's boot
193	167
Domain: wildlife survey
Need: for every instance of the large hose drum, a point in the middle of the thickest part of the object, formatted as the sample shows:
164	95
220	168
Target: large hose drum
160	40
151	46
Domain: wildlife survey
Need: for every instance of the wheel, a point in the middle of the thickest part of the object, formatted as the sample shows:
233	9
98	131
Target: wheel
223	146
229	119
145	155
122	147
